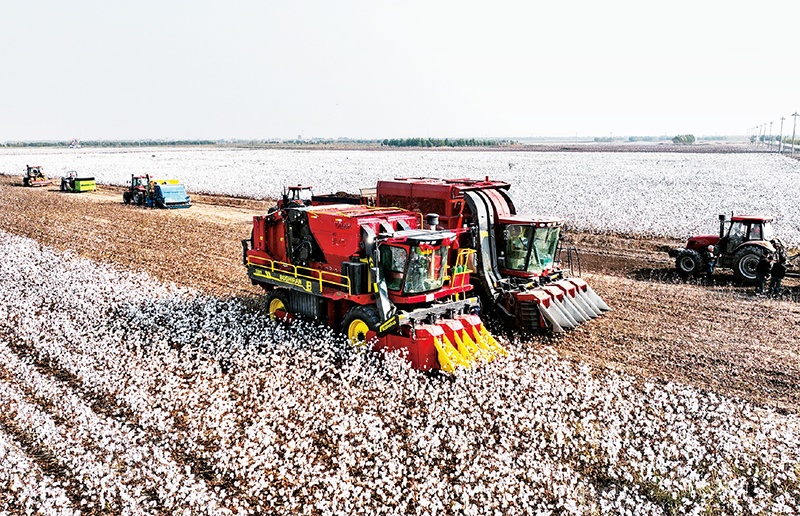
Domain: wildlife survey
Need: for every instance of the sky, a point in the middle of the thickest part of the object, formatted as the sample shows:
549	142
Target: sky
201	69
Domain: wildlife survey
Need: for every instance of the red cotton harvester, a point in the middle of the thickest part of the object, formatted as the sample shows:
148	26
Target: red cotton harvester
375	274
518	270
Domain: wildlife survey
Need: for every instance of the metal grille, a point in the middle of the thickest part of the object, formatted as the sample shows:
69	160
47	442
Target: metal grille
528	315
305	305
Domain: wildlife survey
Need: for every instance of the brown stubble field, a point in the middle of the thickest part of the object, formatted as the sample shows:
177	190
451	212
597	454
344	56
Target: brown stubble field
663	329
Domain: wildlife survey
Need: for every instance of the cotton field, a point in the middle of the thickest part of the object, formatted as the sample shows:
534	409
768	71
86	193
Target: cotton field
649	194
122	395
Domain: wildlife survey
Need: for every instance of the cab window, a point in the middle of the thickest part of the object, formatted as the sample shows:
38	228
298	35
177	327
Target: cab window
393	263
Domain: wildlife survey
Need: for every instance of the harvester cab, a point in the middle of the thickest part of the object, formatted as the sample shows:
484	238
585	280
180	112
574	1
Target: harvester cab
35	177
518	271
739	245
374	274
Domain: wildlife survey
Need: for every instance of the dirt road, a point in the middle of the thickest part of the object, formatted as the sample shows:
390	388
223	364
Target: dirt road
721	338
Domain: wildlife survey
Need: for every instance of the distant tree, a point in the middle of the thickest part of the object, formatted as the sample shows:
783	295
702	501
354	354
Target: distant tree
437	142
684	139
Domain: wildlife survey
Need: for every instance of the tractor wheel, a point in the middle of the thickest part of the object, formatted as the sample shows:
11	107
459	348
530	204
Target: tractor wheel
278	300
745	262
358	321
126	198
689	263
138	198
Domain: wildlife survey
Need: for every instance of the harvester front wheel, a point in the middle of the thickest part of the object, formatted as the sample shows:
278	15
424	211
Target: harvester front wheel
688	263
278	301
745	262
358	321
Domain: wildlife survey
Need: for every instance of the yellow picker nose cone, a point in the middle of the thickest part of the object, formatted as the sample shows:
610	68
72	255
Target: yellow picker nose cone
449	357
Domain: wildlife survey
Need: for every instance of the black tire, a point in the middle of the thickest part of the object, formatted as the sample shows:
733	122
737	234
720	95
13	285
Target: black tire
279	296
357	321
126	198
138	198
745	261
26	181
689	263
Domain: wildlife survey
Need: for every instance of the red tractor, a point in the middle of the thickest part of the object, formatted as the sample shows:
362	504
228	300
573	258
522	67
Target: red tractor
518	272
741	242
374	274
35	177
137	192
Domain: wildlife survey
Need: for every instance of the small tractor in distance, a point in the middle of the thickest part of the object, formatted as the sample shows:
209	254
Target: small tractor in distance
72	183
375	274
739	245
156	193
35	177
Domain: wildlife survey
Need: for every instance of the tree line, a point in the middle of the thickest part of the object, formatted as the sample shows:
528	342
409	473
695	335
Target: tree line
446	142
115	143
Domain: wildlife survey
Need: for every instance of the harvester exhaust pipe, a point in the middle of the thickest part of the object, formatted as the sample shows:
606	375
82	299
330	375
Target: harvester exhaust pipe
722	226
432	220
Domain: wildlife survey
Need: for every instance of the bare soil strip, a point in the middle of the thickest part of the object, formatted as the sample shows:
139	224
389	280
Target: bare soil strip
720	338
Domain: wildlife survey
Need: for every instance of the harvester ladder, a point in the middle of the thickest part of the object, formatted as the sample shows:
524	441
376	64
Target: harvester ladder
573	259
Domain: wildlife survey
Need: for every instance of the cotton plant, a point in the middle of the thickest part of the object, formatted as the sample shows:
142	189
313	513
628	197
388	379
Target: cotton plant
124	378
648	194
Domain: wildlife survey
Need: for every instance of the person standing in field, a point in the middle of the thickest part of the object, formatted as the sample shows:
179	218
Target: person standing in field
710	259
778	273
762	271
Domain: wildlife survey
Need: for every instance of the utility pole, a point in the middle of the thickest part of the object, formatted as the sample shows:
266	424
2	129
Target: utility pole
795	115
780	138
770	137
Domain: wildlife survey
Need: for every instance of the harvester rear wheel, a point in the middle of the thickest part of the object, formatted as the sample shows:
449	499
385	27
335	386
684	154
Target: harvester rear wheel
688	262
358	321
277	301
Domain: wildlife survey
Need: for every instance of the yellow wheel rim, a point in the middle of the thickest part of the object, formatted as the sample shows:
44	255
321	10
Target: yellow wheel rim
357	332
275	305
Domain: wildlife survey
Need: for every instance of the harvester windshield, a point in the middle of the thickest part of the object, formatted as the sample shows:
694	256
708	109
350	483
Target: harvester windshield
416	270
530	249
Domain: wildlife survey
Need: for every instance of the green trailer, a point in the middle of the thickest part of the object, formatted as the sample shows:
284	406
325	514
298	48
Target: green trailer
72	183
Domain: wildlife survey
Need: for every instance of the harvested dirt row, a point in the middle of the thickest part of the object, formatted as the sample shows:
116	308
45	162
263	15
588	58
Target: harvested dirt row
720	338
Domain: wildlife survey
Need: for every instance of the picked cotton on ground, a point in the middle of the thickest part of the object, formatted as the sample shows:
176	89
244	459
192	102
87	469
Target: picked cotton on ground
654	194
239	413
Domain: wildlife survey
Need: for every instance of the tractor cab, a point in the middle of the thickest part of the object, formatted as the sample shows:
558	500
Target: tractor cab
35	172
296	196
745	229
528	246
140	183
